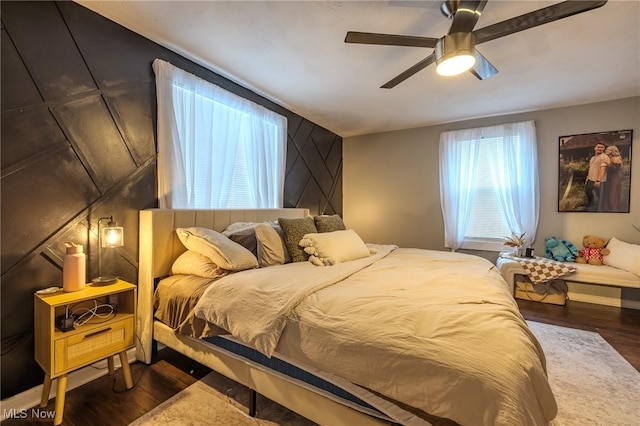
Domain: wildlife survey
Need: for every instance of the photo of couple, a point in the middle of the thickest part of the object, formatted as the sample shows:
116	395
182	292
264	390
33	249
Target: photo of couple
595	172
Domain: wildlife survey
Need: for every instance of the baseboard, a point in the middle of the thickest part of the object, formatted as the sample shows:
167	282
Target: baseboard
31	397
607	301
604	295
596	299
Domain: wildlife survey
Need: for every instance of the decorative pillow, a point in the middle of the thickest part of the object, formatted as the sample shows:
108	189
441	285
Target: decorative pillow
326	223
221	250
623	256
294	230
272	249
329	248
192	263
243	233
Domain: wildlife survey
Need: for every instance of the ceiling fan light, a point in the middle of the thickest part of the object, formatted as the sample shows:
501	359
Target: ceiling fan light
456	65
455	53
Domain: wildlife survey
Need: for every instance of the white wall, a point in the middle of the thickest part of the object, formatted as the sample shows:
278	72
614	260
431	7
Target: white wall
391	190
391	180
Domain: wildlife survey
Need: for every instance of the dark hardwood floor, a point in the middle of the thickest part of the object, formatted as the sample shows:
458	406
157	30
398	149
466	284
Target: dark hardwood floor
619	327
104	401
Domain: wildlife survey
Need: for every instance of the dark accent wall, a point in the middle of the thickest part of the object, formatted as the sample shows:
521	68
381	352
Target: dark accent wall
78	143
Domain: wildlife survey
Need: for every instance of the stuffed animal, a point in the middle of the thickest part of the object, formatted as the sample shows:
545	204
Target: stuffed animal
593	250
560	250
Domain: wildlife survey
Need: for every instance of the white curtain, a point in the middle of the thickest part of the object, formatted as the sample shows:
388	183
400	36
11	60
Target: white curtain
458	161
215	149
514	168
516	176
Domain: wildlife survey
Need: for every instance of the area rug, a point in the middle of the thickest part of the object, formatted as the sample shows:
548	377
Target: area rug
593	385
218	401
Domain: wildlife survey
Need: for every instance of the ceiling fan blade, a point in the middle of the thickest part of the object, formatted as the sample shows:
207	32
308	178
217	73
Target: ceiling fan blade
535	18
390	39
482	69
411	71
466	16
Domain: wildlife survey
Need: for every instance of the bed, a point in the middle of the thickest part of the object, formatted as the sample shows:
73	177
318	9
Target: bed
455	348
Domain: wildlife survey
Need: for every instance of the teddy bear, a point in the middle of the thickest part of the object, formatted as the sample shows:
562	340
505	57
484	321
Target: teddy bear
593	250
560	250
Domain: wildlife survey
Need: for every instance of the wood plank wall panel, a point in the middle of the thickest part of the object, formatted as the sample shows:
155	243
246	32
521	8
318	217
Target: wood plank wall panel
134	113
28	132
78	143
17	86
49	50
37	199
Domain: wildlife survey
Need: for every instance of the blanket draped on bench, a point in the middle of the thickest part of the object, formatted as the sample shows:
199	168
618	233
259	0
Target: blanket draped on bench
542	270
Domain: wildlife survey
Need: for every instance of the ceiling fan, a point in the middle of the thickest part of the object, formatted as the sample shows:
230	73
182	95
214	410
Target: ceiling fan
456	52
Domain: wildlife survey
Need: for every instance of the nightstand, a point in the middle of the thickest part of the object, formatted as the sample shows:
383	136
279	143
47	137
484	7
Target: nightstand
61	352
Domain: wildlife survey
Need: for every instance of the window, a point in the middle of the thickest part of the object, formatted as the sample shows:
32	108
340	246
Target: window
216	149
489	185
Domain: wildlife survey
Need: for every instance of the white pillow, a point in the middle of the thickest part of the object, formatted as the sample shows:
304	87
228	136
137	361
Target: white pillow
192	263
238	226
623	256
329	248
221	250
272	249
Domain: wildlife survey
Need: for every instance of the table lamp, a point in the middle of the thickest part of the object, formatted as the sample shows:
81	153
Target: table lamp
110	236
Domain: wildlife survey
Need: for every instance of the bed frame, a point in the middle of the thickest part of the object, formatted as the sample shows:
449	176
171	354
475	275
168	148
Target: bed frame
159	247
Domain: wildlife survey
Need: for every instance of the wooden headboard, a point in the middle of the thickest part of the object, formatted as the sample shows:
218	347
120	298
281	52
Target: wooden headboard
160	246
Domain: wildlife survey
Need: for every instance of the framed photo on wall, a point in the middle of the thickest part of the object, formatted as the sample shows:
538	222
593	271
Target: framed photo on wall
594	172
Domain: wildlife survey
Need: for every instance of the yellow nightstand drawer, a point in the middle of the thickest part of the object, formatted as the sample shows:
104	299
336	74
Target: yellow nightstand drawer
84	348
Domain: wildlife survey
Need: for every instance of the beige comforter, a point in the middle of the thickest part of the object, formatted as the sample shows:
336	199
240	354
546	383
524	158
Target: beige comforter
437	331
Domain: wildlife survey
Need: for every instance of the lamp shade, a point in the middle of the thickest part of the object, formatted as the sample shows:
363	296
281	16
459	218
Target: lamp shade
109	236
455	53
112	235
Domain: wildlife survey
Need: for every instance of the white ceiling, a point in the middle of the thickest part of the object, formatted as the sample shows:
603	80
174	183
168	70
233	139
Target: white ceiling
293	52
